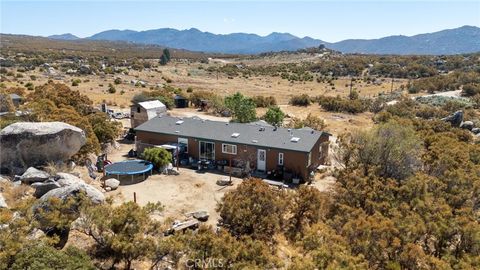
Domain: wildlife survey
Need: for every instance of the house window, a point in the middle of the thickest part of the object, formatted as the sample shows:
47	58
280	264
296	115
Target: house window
138	109
280	159
309	159
184	143
229	149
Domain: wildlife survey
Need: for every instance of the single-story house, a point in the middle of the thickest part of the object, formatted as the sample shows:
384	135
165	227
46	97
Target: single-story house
255	148
144	111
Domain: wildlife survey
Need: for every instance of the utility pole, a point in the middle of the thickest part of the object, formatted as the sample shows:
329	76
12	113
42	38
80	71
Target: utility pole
178	161
351	86
230	171
391	88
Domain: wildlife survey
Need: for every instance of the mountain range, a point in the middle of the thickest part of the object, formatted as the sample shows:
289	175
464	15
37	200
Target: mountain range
465	39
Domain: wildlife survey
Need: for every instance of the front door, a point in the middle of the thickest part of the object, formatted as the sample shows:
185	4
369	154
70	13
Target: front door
261	160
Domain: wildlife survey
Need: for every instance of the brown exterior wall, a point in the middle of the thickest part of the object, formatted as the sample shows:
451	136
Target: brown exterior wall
137	118
294	161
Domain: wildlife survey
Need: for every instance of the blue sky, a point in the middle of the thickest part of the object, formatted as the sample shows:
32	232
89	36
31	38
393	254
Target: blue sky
327	20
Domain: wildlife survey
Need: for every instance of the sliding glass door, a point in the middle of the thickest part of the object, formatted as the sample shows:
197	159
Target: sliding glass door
207	150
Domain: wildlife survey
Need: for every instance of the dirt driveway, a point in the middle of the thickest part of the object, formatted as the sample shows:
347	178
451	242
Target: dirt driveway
180	194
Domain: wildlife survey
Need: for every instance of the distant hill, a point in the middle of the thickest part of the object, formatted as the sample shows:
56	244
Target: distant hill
66	36
87	48
196	40
465	39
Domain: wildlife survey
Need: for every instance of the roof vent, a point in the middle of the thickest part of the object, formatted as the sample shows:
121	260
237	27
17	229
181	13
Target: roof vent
262	129
179	122
235	135
295	139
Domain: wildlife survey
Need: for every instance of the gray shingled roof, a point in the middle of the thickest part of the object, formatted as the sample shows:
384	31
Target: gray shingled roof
222	131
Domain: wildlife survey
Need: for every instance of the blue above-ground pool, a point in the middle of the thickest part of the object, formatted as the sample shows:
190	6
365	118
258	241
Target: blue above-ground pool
129	167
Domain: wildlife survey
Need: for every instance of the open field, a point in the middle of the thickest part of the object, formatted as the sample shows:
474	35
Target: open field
195	76
183	75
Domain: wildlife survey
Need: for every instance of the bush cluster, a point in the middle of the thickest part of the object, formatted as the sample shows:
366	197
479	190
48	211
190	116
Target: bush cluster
264	102
300	100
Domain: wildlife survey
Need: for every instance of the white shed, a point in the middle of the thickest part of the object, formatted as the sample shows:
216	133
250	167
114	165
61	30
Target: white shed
144	111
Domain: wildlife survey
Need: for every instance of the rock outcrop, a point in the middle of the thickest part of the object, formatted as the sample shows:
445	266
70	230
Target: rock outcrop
3	203
26	144
455	119
66	179
44	187
32	175
467	125
70	191
112	183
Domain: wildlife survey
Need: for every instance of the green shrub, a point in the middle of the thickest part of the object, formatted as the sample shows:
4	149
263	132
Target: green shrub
274	116
264	102
300	100
158	156
29	86
76	82
47	257
111	89
338	104
471	89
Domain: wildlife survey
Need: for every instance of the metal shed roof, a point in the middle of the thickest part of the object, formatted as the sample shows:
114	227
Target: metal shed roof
152	104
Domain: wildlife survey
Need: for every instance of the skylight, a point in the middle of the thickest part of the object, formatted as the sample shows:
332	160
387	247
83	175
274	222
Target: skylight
235	135
295	139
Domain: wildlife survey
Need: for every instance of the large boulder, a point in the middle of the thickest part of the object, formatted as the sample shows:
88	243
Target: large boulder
3	203
66	179
28	144
70	191
467	125
112	183
32	175
455	119
42	188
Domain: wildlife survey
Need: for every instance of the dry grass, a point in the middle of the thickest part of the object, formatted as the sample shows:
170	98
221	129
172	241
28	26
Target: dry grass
15	194
53	168
189	75
185	75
